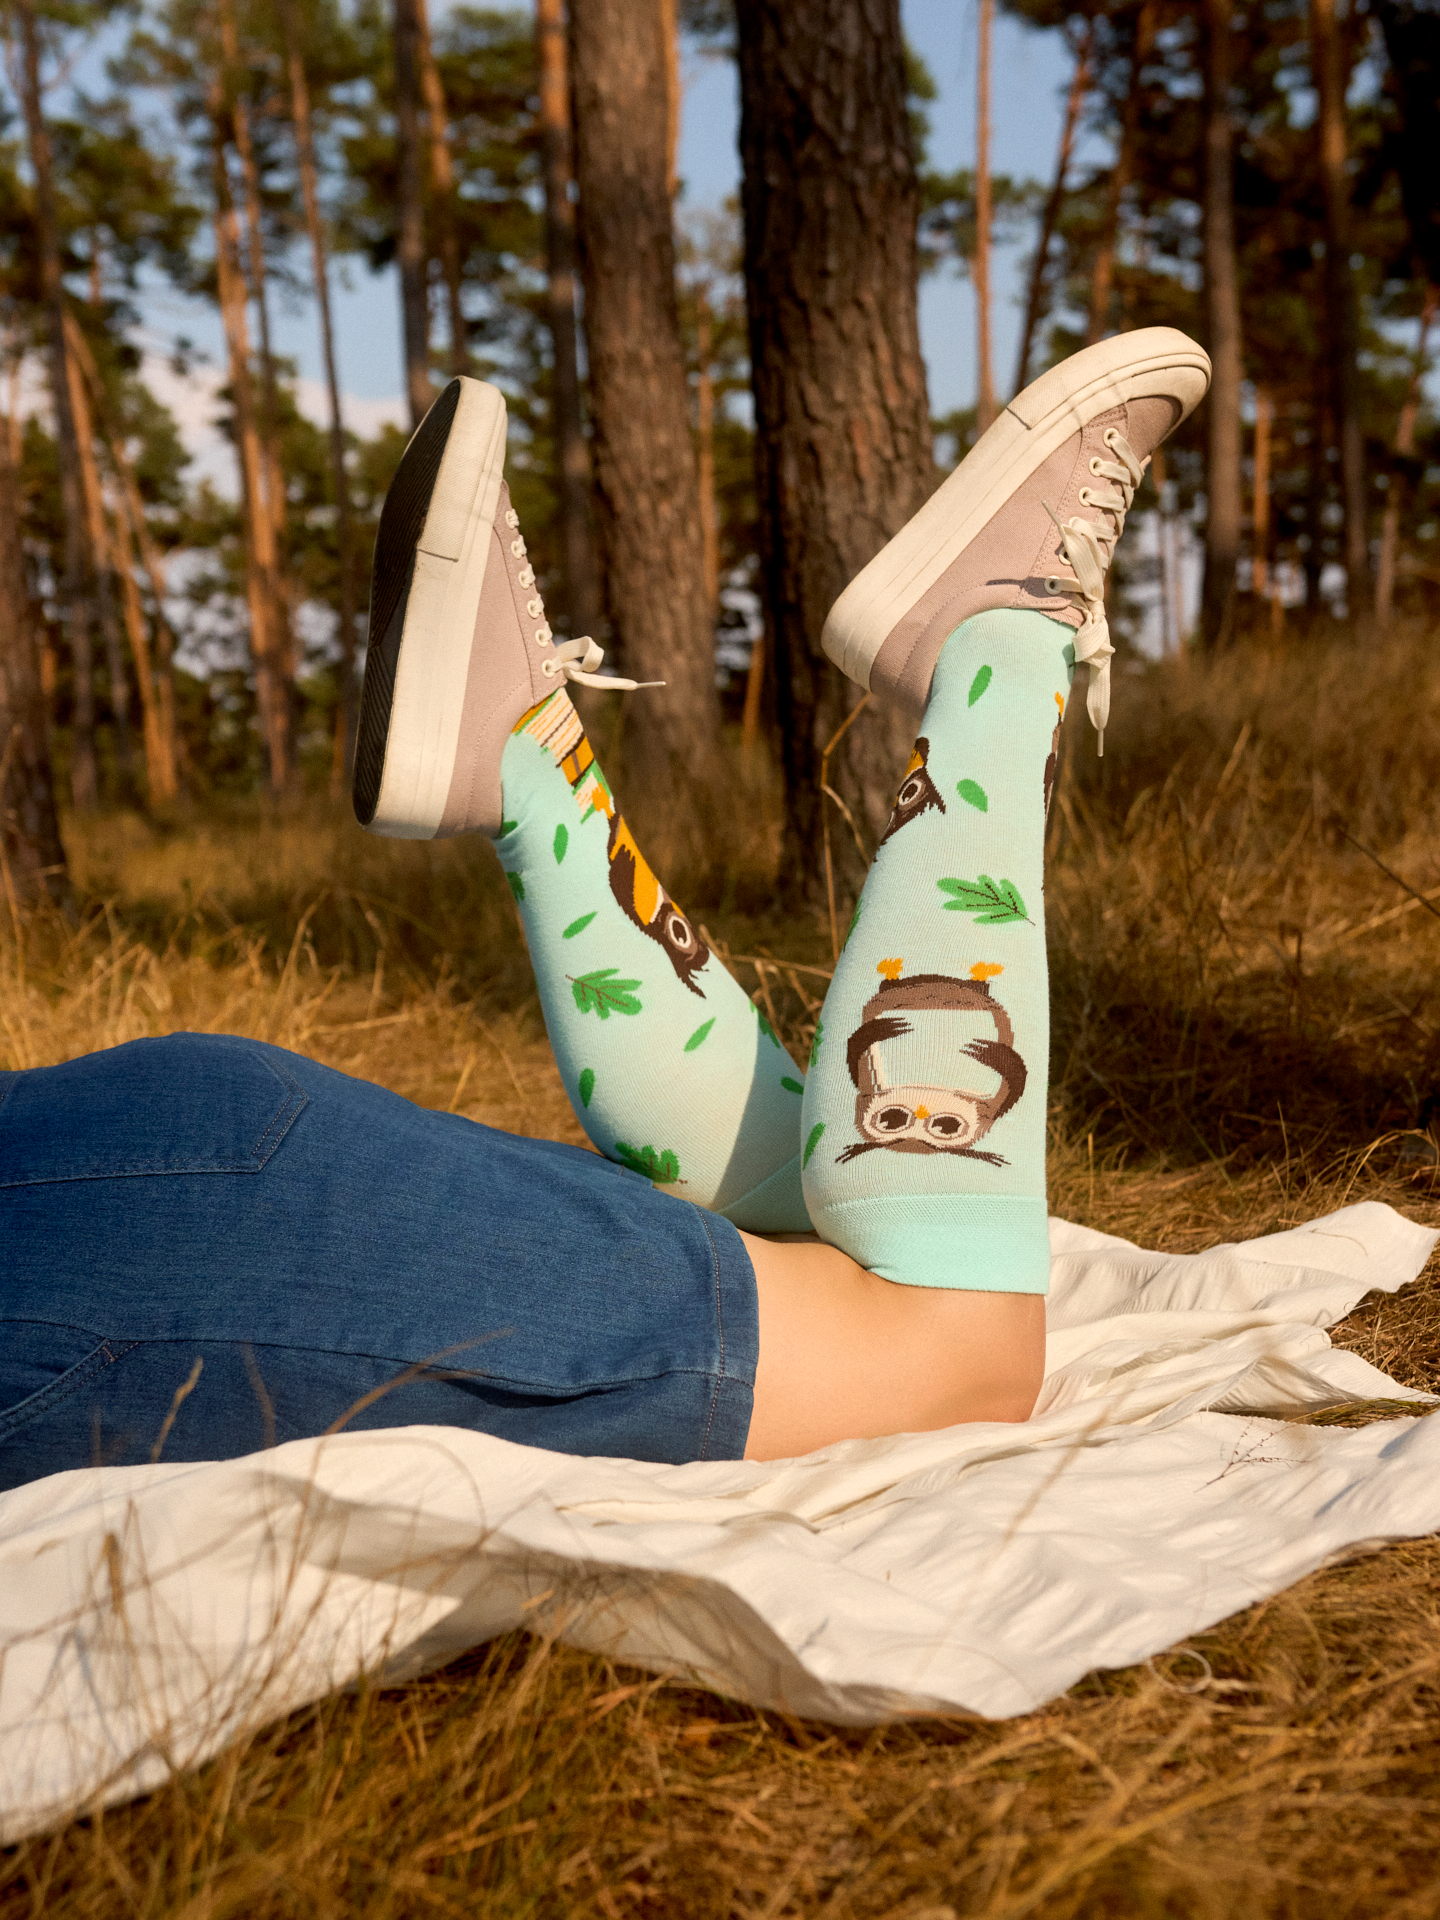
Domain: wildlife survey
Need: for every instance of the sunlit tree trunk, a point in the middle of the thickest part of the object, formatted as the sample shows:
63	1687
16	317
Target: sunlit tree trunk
572	456
442	192
646	483
1342	319
843	455
1260	583
75	587
339	475
101	558
272	465
984	378
1102	277
1405	448
705	448
1222	307
1054	200
262	572
410	221
33	855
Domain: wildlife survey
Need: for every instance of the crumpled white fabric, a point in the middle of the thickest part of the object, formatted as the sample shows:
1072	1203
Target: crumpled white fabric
149	1614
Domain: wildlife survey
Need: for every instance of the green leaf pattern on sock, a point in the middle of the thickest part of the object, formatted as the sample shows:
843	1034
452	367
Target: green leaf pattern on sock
765	1027
578	926
815	1043
974	795
562	841
993	902
979	684
600	992
791	1086
662	1168
517	885
697	1038
587	1086
506	826
854	922
816	1133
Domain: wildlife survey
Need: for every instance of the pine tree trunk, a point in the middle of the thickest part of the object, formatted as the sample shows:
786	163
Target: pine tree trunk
1405	447
272	465
1341	318
1039	266
646	484
101	559
1260	505
410	233
572	455
984	377
131	525
1102	278
75	587
33	856
339	474
705	450
442	192
843	453
262	571
1222	306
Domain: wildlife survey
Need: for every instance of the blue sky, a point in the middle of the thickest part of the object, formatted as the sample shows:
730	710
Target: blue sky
1030	73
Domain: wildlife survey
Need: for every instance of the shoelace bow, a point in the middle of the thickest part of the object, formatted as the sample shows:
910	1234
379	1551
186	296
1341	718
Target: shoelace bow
1089	548
577	660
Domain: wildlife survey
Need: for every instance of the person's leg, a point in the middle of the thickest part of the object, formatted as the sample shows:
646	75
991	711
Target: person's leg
211	1245
466	726
925	1106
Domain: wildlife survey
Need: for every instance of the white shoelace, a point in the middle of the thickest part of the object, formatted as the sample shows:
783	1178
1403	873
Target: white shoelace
1089	548
578	660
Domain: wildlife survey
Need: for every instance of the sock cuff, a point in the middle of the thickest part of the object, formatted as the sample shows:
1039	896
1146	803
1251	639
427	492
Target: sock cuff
982	1243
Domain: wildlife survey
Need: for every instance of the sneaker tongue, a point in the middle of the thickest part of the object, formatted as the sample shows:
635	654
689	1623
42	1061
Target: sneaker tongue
1148	420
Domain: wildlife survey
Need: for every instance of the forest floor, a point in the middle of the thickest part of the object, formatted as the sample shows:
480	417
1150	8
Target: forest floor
1246	1035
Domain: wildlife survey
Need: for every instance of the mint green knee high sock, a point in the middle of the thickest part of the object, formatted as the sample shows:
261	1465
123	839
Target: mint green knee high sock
924	1110
669	1067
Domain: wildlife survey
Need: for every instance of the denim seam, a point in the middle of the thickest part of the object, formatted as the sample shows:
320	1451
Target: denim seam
71	1381
720	1326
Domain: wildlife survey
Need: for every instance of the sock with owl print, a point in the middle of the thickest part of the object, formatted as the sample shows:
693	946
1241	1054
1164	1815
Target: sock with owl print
670	1068
924	1110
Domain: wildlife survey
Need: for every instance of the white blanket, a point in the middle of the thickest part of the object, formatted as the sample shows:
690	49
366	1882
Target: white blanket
149	1614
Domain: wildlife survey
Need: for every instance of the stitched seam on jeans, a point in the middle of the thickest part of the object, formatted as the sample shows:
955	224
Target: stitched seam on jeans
720	1324
80	1375
287	1111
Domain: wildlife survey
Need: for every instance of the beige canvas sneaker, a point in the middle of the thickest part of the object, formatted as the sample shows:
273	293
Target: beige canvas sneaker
1029	519
459	644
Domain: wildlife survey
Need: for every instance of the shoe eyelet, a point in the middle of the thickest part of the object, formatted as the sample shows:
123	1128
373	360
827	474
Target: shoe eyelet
512	519
1110	436
542	636
517	547
1085	497
1095	465
534	608
549	668
1052	585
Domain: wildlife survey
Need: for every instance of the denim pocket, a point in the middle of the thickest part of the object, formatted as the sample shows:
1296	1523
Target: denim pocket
190	1103
42	1365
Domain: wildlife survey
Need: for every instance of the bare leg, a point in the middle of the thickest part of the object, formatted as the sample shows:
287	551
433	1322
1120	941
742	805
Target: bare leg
845	1355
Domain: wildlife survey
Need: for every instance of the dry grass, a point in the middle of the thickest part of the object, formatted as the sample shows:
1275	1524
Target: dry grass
1246	1034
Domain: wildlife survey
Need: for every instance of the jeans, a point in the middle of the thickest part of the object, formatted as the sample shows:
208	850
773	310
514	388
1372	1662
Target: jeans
209	1245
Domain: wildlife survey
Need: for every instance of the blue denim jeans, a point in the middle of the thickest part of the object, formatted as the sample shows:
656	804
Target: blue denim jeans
310	1251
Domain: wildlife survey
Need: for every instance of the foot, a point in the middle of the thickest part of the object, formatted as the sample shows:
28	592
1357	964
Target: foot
459	644
1028	520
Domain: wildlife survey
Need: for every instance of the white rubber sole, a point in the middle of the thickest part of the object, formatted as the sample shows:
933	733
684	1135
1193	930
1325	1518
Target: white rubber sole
439	630
1152	360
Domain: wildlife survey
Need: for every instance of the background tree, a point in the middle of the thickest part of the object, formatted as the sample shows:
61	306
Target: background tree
646	484
831	201
1222	313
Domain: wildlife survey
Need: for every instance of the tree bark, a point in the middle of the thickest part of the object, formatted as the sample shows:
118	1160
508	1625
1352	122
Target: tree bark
843	454
572	456
1055	199
984	377
1341	317
705	449
101	559
30	844
1222	307
1260	502
262	572
442	193
1405	448
646	484
410	233
1102	278
339	474
75	588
